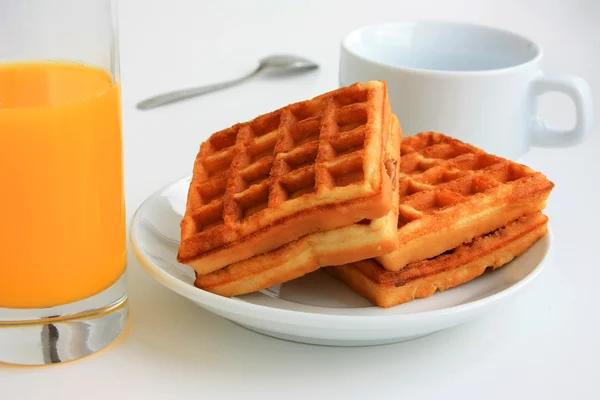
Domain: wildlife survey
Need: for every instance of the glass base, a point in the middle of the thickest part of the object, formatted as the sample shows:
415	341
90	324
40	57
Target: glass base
63	333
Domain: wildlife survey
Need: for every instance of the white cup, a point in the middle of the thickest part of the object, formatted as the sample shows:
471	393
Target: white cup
476	83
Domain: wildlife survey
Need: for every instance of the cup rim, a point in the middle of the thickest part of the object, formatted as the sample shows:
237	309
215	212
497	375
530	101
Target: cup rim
422	71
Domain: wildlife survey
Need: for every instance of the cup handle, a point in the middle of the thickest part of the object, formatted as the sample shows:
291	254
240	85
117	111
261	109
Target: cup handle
580	93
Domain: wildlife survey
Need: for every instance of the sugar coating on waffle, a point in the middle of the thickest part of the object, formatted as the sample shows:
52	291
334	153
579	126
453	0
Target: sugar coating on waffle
452	192
366	239
310	166
455	267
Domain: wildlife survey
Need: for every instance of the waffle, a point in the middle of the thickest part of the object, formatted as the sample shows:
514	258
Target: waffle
311	166
368	238
422	279
452	192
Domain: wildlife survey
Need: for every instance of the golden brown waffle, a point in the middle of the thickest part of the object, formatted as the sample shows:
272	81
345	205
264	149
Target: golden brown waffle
312	166
452	192
422	279
339	246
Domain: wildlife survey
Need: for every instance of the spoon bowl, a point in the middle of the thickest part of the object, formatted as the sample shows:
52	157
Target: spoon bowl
287	62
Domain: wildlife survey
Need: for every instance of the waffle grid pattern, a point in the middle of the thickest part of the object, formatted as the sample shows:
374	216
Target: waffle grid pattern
247	176
438	172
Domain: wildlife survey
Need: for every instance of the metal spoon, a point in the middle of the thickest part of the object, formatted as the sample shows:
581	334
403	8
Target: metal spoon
280	63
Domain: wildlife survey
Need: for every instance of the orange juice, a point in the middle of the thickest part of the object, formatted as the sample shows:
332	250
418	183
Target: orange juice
62	216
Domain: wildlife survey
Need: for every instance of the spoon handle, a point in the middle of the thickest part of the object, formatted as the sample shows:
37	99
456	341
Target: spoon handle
178	95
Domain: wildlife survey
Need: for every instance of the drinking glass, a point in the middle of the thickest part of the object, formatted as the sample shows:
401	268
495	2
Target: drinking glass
62	215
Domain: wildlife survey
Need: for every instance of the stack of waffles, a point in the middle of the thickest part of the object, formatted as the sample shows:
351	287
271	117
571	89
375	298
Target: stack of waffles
329	182
309	185
461	211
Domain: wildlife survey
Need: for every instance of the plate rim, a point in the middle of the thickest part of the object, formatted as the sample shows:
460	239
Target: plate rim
233	306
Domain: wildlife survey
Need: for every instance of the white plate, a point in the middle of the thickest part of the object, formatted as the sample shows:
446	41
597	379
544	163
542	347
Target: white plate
318	309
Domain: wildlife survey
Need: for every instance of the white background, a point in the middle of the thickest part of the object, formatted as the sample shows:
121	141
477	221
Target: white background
545	344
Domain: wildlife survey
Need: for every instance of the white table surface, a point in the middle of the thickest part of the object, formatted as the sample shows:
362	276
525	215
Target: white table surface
545	344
